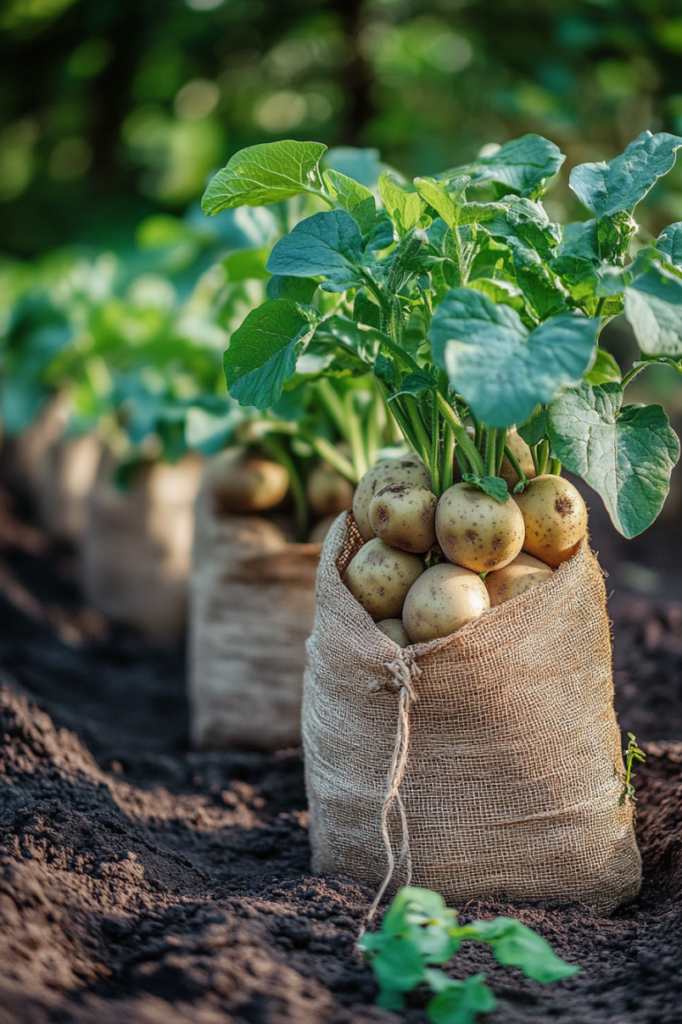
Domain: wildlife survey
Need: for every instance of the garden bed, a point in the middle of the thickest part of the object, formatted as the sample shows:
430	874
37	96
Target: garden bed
143	883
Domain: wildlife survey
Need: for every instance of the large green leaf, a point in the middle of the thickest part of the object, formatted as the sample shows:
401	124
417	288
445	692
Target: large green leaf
604	370
625	453
460	1002
515	945
263	352
502	370
608	189
265	174
669	242
445	202
543	289
354	198
528	222
520	166
653	307
325	245
405	208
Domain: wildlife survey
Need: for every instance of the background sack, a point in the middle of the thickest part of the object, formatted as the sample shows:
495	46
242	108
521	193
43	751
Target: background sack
252	605
136	549
511	785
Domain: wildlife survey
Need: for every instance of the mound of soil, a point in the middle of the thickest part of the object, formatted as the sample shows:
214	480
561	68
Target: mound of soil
146	884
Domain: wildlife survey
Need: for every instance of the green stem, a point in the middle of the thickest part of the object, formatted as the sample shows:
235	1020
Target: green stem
490	451
424	443
354	435
372	431
464	442
555	467
515	465
501	445
447	458
435	449
327	451
543	455
281	455
334	406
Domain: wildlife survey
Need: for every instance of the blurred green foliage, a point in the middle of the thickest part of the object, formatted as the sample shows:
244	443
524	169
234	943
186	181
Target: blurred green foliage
115	110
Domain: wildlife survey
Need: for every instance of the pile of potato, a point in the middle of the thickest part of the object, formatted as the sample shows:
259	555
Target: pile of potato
494	551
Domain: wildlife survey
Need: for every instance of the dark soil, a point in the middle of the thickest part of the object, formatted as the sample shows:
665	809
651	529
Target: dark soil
141	883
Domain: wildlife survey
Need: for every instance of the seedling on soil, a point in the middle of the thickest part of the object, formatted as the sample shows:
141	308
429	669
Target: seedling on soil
419	931
631	754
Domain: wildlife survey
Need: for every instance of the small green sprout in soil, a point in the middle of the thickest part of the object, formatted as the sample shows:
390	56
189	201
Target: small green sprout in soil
419	931
631	754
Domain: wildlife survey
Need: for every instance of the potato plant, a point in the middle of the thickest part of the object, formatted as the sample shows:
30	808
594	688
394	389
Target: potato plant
480	319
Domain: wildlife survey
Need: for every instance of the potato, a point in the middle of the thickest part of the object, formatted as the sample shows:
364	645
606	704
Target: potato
328	492
379	577
523	456
555	518
240	482
476	531
516	578
409	470
403	515
395	631
320	530
443	599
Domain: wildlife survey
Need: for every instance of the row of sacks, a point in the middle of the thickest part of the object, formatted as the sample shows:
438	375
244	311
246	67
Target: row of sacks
418	761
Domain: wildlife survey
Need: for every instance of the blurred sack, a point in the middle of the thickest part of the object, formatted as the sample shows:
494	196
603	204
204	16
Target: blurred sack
252	601
136	549
56	471
485	764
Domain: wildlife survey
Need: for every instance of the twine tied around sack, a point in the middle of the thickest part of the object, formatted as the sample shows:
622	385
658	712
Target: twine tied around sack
403	671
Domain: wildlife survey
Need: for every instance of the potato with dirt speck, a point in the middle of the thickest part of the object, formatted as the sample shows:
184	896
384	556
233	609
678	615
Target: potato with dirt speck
476	531
328	492
379	577
408	470
241	482
522	453
395	631
403	515
442	600
516	578
555	517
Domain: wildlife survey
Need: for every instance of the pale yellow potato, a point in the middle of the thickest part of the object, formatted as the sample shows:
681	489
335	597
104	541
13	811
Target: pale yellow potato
555	518
328	492
379	577
408	470
403	515
240	482
395	631
516	578
522	453
442	600
476	531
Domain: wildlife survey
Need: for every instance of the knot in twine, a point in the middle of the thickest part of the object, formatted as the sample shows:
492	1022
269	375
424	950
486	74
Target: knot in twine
403	671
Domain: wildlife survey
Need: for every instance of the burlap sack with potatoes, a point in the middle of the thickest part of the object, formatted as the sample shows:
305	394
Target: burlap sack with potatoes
135	554
500	743
252	603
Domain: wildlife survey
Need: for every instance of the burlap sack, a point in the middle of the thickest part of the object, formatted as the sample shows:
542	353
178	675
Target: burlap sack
252	602
135	556
493	755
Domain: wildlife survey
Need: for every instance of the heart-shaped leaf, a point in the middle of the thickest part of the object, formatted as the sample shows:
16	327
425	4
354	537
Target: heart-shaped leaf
502	370
625	453
608	189
263	352
520	166
653	307
604	370
265	174
405	208
325	245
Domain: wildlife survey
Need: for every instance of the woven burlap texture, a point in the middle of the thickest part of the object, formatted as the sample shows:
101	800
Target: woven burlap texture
511	783
135	556
252	602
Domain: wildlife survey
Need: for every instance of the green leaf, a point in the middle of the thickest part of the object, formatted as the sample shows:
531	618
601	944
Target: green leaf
325	245
579	277
616	187
543	290
515	945
502	370
653	307
491	485
263	352
580	239
438	195
354	198
265	174
405	208
399	965
416	383
604	369
461	1002
299	289
535	428
528	221
365	311
247	265
669	242
500	291
625	453
521	166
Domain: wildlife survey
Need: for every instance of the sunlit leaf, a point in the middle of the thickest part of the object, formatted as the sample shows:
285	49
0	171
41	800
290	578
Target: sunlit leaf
263	174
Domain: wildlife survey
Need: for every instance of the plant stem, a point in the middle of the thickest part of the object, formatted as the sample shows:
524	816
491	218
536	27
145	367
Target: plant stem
555	467
490	451
515	465
464	442
435	449
327	451
280	454
447	457
423	441
501	445
543	455
354	435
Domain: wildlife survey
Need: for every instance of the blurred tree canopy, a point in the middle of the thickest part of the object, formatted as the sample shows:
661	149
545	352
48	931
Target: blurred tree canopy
114	109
